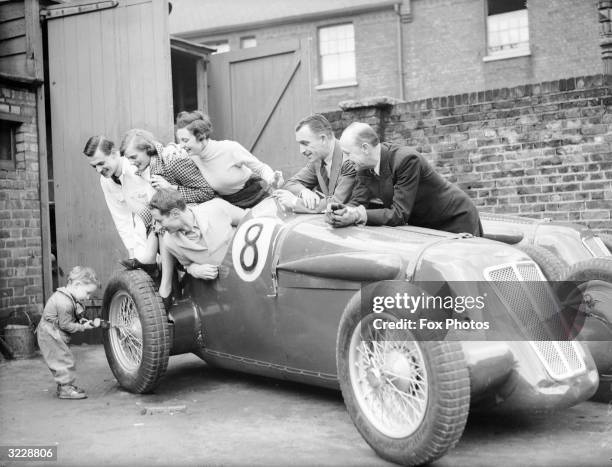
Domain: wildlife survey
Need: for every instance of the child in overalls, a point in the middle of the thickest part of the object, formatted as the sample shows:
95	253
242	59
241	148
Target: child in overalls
62	317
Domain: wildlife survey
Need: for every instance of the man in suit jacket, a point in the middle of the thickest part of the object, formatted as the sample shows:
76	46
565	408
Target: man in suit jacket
397	186
327	175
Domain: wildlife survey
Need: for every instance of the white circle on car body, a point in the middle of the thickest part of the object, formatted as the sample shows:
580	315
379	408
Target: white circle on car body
251	247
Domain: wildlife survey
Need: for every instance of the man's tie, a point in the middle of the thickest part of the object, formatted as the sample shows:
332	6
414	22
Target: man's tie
324	176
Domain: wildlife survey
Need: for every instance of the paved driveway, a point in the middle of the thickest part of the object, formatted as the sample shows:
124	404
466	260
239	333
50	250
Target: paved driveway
203	416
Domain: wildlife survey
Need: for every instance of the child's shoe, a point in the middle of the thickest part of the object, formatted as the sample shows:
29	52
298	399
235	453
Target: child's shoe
68	391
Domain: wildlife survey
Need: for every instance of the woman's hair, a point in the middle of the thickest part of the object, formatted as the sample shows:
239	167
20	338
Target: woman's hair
196	122
165	200
142	140
84	275
98	142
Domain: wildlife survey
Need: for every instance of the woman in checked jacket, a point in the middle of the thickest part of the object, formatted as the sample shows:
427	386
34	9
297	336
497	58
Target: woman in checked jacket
163	167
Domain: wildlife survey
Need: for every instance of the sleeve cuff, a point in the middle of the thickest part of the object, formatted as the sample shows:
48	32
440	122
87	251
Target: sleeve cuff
362	216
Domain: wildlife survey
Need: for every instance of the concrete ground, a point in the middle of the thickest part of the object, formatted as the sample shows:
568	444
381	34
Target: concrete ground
234	419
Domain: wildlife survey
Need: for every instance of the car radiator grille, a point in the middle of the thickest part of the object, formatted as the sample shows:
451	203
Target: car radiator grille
533	305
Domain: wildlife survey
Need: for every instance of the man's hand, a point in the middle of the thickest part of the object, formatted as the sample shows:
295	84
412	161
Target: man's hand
339	215
88	325
285	198
158	182
310	198
203	271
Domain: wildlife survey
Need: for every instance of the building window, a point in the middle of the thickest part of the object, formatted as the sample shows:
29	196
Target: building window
248	42
507	28
221	46
8	130
337	54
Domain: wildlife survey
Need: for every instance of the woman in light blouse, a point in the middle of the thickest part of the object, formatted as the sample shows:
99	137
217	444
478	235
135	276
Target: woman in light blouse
232	171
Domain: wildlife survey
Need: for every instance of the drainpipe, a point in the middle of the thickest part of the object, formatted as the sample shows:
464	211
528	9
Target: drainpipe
605	32
403	12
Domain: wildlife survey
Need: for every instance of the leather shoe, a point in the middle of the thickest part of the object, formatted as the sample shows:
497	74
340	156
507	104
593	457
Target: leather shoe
133	263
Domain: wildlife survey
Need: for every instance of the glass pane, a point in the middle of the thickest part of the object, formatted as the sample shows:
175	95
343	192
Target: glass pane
6	141
507	30
248	42
347	65
496	7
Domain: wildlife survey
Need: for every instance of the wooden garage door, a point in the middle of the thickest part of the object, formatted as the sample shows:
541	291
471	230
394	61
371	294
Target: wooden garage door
256	96
109	71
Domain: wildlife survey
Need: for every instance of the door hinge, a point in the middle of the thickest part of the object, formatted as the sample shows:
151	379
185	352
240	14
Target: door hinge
63	11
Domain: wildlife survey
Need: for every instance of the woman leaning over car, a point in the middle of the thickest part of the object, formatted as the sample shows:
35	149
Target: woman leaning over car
232	171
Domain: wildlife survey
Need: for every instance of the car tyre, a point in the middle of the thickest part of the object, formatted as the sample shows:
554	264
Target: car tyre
552	266
137	343
428	383
595	277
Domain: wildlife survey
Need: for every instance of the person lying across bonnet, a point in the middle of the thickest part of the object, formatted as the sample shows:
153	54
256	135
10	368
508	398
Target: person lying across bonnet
197	236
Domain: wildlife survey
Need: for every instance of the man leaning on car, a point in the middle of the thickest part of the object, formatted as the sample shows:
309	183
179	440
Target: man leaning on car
327	177
396	186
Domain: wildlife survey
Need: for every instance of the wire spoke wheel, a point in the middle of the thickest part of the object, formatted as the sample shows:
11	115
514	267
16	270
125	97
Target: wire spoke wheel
137	343
389	378
409	399
126	331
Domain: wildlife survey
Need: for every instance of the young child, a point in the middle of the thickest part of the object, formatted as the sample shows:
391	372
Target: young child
62	317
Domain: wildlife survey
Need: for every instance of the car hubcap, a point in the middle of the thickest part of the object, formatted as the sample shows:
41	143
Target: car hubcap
389	380
125	333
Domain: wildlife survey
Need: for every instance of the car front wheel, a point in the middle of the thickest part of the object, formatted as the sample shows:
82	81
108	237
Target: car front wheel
594	278
137	341
408	399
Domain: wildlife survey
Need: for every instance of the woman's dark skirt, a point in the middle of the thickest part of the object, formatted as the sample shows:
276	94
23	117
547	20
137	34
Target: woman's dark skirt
253	192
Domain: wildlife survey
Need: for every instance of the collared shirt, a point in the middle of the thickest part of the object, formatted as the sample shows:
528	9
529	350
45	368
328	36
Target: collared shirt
207	242
377	167
126	203
328	162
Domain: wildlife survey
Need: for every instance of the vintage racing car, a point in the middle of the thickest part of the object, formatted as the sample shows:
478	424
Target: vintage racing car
288	304
569	252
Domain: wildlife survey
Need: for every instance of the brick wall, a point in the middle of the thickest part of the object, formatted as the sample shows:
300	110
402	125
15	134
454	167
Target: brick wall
446	42
20	229
541	150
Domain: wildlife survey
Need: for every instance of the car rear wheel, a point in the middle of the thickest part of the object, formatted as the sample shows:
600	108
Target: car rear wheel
137	343
552	267
408	399
594	278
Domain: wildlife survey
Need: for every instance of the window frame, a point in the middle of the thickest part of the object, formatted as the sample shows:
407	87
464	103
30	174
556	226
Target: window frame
521	51
13	123
344	81
248	38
